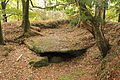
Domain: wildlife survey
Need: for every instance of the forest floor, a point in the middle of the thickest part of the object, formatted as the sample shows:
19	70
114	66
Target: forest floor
85	67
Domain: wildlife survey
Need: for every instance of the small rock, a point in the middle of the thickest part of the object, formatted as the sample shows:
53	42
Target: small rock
39	63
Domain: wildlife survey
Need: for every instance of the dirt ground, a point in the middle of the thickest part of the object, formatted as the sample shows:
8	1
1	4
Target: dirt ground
85	67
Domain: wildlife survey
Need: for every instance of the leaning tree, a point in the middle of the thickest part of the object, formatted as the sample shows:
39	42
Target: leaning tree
94	23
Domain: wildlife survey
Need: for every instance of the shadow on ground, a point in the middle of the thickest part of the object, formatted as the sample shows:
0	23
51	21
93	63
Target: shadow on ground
63	56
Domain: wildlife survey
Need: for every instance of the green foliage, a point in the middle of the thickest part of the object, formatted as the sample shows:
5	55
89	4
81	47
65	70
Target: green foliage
117	7
74	20
87	2
67	77
70	10
33	15
2	0
79	18
69	0
111	15
113	10
79	73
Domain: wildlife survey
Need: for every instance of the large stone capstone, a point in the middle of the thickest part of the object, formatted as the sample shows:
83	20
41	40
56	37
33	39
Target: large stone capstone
51	43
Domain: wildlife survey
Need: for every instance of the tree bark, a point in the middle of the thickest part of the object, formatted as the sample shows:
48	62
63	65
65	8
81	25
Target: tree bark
1	35
18	8
96	27
3	5
119	17
102	43
104	12
82	7
45	5
25	21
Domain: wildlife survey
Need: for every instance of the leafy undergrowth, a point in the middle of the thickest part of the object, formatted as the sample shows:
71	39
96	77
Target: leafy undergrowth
15	55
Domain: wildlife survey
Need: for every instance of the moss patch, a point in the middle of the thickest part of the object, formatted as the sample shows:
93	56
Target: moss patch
41	45
67	77
39	63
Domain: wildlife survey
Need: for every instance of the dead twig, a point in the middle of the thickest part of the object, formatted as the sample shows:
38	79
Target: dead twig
19	57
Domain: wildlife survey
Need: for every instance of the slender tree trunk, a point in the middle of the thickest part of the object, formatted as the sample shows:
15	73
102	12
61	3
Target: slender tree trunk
17	4
102	43
18	7
96	10
82	7
25	21
45	17
3	5
119	17
96	27
1	35
104	12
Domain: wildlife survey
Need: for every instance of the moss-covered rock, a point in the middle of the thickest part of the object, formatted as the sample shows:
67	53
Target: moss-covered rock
44	45
49	44
39	63
54	45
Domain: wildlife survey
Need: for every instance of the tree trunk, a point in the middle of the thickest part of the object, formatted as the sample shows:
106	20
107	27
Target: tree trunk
17	4
102	43
82	7
3	5
104	12
45	5
1	35
96	28
119	17
25	21
18	8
